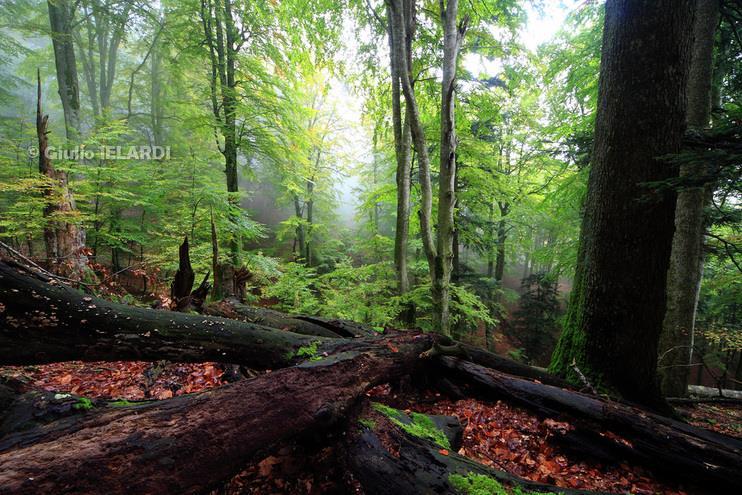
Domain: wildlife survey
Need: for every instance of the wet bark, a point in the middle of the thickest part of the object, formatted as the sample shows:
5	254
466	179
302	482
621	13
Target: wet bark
618	301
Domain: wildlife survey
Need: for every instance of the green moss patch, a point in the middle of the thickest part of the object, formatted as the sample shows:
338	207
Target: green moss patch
479	484
83	403
416	424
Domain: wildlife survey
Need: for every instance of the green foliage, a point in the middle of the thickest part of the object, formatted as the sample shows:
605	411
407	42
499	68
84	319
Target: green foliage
479	484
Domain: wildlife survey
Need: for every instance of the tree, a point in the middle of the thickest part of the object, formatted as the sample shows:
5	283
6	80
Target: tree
64	239
224	41
686	263
438	248
618	301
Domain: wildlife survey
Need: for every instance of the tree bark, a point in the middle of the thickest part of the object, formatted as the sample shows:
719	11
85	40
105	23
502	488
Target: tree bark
686	262
220	33
403	154
180	289
438	249
502	237
61	18
618	301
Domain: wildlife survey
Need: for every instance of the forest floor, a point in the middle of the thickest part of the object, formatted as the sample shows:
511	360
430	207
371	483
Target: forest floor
496	434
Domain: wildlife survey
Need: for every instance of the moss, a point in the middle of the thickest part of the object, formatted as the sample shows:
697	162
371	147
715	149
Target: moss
368	423
479	484
418	425
121	403
83	403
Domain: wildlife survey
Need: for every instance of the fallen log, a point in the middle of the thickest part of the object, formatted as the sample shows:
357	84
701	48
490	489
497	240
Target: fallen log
388	461
620	430
43	321
191	443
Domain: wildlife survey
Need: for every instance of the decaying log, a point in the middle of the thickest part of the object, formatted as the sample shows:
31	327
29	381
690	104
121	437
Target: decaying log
622	431
388	461
43	321
189	444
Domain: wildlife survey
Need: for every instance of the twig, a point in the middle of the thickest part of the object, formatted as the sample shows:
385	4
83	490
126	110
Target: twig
583	378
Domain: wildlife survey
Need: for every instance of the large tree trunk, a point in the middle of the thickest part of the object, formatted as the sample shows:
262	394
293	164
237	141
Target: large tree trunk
71	326
686	262
618	301
192	443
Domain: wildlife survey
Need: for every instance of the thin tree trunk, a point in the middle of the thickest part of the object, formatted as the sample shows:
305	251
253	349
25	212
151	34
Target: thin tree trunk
686	262
502	236
618	302
61	16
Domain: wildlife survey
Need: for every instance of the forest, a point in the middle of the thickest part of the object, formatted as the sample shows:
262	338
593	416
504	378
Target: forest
480	247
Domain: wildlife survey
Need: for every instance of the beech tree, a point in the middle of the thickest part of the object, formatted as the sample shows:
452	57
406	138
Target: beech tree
617	305
686	262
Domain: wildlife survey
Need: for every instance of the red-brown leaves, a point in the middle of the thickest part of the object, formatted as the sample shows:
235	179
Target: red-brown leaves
119	379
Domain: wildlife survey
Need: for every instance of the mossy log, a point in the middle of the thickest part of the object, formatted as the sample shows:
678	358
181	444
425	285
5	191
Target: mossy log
386	460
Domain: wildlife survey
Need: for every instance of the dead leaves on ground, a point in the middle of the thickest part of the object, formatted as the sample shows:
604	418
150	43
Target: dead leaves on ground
511	439
135	380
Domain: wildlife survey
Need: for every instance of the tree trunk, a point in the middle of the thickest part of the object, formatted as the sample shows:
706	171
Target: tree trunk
61	16
686	261
64	240
618	301
502	236
220	33
403	153
438	253
71	326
